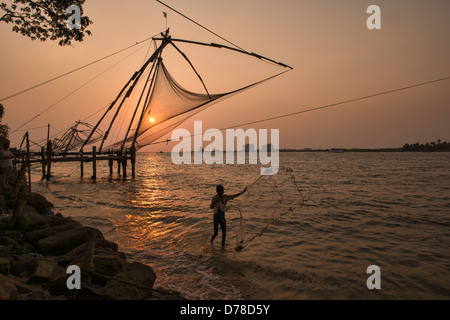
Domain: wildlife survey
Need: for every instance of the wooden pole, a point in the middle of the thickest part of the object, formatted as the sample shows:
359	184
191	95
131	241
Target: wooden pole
81	165
133	162
43	162
124	167
28	164
48	133
94	163
119	162
49	159
110	163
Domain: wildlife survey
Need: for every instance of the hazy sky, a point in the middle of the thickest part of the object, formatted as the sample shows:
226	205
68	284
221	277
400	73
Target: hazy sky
334	55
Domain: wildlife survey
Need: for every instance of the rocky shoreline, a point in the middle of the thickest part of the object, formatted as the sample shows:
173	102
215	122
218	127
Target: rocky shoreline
38	245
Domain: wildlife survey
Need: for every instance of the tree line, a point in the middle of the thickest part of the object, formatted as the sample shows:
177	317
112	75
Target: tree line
428	147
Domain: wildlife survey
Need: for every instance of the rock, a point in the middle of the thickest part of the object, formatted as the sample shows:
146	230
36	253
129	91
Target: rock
8	291
12	234
2	226
58	219
35	295
21	286
88	292
6	249
24	268
30	220
33	237
63	242
5	265
57	286
43	271
5	241
108	265
102	246
41	204
119	288
2	201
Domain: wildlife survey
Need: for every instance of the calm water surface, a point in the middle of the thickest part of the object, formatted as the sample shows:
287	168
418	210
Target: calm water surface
361	209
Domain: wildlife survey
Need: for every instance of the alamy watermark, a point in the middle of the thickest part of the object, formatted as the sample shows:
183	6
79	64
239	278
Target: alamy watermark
374	280
258	148
74	21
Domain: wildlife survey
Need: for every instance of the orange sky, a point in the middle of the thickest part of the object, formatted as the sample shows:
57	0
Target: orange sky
335	58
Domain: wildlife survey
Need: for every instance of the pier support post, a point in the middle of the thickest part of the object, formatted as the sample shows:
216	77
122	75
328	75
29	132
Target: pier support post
110	167
81	164
133	162
28	164
124	167
119	163
43	162
94	163
49	160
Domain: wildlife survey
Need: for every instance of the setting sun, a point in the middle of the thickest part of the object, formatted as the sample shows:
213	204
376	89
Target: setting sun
152	120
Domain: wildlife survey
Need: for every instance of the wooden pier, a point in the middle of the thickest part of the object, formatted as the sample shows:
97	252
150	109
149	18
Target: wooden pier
47	157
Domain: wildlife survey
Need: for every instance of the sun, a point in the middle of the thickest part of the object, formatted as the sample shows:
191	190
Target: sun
152	120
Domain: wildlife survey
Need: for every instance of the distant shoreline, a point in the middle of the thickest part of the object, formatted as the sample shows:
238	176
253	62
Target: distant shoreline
337	150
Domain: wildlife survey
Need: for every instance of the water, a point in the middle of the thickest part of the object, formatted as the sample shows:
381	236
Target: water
361	209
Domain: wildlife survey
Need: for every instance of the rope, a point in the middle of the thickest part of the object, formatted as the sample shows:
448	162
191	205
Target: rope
198	24
74	70
72	92
320	107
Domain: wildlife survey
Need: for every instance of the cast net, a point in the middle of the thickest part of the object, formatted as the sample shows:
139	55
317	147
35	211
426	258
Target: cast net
267	200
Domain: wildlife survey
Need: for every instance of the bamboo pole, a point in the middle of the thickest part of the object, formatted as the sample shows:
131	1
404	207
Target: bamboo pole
133	162
124	167
49	159
43	162
28	163
81	165
94	163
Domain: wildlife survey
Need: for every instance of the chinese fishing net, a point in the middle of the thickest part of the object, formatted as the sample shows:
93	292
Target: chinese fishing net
267	200
75	136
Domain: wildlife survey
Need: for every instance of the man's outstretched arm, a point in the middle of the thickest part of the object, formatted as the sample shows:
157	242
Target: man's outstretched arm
238	194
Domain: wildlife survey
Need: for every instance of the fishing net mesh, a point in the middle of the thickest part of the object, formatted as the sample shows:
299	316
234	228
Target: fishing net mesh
75	136
169	104
267	200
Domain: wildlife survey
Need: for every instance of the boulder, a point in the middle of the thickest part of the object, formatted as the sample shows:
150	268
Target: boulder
5	266
21	286
2	201
63	242
35	295
102	246
25	267
133	282
41	204
33	237
30	220
12	234
8	291
57	286
57	219
88	292
5	241
44	271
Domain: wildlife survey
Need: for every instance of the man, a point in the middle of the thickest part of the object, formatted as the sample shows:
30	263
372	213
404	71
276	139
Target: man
6	158
219	204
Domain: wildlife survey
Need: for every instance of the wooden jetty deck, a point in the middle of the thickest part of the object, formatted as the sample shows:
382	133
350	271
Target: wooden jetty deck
46	157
